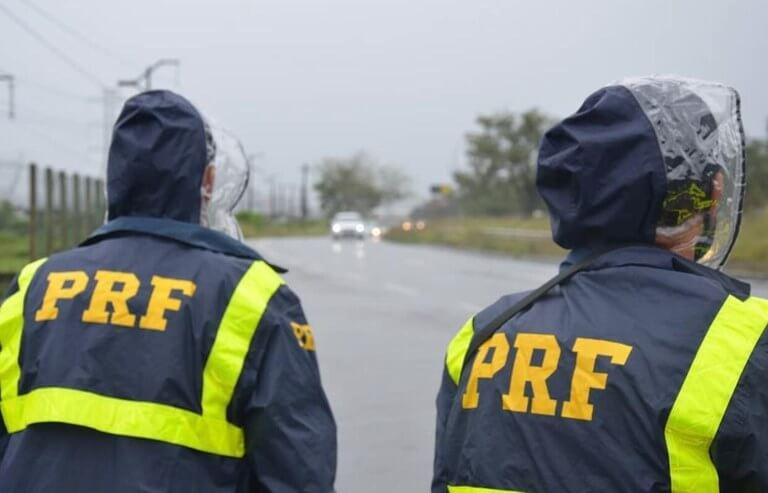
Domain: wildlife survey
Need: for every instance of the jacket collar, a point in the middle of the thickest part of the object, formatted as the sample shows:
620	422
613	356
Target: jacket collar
652	256
187	233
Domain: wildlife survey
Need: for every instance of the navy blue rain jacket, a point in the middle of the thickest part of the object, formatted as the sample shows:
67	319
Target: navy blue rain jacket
156	165
644	373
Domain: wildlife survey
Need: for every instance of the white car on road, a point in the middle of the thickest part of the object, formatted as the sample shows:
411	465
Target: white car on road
348	224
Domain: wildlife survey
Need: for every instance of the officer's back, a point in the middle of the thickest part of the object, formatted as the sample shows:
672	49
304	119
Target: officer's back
160	356
644	372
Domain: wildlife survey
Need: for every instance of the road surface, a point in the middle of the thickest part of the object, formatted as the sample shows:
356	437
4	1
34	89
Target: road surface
383	314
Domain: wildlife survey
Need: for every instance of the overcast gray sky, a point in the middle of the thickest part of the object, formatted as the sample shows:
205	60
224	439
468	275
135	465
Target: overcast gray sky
298	80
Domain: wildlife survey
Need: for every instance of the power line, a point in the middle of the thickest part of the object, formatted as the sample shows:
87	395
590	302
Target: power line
64	57
23	81
31	115
75	33
32	129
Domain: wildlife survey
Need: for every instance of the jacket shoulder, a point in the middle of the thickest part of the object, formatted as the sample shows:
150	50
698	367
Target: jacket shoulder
459	344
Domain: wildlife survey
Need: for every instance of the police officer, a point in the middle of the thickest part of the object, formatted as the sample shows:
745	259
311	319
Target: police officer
161	355
641	367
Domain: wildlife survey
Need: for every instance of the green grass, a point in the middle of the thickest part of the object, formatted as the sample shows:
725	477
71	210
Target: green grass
14	254
749	256
258	226
474	233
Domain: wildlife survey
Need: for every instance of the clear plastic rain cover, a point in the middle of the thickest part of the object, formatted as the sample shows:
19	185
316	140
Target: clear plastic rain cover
232	171
701	137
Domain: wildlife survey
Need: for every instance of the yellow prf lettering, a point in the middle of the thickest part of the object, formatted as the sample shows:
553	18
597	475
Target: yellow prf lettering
523	371
585	378
304	335
161	301
61	286
480	369
105	294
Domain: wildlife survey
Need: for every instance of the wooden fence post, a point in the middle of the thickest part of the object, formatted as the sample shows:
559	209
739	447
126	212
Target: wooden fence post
77	219
63	215
32	211
48	211
100	203
88	209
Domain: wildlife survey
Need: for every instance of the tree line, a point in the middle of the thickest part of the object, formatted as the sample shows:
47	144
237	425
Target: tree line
359	183
499	178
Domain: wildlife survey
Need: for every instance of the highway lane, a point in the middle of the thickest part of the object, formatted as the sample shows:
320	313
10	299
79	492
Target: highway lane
383	314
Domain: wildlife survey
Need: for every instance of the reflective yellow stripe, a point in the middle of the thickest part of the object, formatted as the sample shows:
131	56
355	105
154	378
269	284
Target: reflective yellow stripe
123	417
233	339
457	350
475	489
209	432
11	327
708	387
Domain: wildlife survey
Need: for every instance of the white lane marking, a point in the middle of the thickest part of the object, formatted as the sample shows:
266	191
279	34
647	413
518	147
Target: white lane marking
400	289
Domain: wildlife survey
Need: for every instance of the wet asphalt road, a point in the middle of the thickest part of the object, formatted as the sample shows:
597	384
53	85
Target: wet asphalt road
383	314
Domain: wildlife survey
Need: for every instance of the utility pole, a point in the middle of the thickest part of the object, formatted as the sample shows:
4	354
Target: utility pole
108	102
250	198
172	62
272	197
304	192
9	79
146	75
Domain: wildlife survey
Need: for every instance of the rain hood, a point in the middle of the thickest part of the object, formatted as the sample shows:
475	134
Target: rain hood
640	157
157	159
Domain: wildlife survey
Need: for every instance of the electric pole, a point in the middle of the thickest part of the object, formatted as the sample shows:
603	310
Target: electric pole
272	197
304	192
250	192
172	62
108	102
9	79
146	75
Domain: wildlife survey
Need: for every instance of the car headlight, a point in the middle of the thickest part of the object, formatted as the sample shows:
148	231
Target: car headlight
376	232
359	228
336	228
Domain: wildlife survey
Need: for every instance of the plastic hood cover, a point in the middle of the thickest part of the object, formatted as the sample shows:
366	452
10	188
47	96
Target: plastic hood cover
699	130
644	157
232	172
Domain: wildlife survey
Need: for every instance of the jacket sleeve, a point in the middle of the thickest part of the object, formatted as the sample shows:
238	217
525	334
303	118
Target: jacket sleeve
4	437
452	370
290	430
445	398
740	448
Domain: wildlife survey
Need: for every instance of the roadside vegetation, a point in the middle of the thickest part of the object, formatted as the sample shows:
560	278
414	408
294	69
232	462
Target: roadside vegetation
530	238
358	183
259	226
14	245
13	256
520	237
491	204
750	255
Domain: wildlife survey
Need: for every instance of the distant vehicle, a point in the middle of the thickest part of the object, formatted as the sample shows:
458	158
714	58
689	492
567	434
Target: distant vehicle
376	230
348	224
413	225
